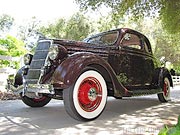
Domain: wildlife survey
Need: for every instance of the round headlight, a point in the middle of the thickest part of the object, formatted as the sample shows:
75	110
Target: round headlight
27	59
53	52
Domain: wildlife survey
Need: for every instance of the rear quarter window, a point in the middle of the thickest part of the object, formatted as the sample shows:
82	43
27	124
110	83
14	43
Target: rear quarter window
131	41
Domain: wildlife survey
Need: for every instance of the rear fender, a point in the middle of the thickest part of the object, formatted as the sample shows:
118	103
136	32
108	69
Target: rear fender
69	70
160	74
166	73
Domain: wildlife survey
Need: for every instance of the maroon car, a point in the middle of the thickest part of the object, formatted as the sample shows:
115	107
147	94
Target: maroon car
117	63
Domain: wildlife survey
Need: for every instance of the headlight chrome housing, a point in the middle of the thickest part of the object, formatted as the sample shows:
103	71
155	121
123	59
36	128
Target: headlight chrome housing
27	59
53	52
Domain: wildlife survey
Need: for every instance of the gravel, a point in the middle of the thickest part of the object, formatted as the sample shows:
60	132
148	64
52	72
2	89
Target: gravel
8	96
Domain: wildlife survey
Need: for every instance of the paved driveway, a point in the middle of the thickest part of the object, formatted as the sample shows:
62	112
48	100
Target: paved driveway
137	115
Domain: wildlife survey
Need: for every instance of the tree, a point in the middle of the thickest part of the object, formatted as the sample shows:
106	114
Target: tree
10	46
166	10
76	28
6	23
170	15
56	30
28	32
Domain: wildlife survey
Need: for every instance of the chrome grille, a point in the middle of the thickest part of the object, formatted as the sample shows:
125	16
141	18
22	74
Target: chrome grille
38	62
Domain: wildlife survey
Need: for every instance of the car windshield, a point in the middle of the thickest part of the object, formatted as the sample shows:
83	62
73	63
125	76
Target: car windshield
108	38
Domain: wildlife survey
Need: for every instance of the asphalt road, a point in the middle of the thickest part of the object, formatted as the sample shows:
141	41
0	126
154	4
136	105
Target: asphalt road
138	115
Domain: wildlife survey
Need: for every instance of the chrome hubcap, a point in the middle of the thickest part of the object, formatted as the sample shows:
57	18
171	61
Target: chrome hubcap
92	94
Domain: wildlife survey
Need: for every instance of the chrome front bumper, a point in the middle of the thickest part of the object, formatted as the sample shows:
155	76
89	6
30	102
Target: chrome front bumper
29	88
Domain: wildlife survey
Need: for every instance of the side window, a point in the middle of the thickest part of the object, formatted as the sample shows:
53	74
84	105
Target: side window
131	41
109	38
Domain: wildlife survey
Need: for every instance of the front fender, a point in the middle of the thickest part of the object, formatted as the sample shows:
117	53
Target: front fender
18	79
69	70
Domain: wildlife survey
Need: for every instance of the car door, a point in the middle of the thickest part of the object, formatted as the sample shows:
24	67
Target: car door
133	62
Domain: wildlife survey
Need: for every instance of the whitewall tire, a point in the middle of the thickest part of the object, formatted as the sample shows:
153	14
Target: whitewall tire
86	99
165	95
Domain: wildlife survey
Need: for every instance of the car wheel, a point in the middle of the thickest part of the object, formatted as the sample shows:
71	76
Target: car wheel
165	95
86	99
36	102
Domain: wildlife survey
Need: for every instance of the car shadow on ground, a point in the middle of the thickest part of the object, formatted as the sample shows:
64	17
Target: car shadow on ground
119	117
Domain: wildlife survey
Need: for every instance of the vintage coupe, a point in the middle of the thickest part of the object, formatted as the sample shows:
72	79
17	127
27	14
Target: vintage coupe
117	63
